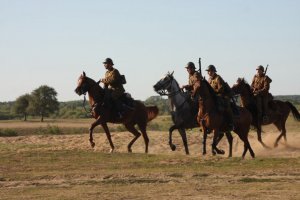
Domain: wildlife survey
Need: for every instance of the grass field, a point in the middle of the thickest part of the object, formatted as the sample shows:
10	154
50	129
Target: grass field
45	165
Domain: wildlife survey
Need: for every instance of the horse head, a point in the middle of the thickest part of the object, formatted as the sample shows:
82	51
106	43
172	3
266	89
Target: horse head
164	84
241	87
84	84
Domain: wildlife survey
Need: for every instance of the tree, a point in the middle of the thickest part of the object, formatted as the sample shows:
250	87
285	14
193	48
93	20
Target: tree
21	105
43	101
162	104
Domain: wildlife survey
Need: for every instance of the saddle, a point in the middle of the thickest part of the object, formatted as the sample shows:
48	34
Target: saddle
127	101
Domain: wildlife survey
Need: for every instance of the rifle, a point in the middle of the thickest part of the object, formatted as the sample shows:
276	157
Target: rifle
266	69
200	67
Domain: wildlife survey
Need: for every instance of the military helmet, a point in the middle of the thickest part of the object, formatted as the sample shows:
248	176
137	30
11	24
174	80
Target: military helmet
211	68
190	65
108	61
260	67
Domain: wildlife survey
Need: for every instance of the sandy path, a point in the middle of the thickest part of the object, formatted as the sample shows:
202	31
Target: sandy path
159	143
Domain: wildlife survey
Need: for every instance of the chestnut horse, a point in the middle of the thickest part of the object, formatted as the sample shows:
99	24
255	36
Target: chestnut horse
140	115
279	111
182	113
210	117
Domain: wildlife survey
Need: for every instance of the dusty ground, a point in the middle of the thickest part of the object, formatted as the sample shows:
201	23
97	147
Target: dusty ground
159	143
95	174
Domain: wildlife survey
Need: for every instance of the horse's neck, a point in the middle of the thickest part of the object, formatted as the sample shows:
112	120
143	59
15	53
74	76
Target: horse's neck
95	95
207	103
177	99
246	97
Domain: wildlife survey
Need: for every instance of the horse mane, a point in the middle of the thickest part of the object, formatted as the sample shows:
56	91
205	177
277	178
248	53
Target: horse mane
248	87
175	81
210	89
92	81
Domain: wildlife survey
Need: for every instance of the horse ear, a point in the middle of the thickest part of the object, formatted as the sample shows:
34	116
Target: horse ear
83	73
172	73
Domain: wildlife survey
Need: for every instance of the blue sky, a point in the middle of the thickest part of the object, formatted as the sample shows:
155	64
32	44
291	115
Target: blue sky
52	41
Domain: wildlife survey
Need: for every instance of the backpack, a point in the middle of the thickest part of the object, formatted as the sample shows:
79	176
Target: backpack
122	79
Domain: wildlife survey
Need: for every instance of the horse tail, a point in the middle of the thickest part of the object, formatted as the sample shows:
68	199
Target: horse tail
152	112
295	112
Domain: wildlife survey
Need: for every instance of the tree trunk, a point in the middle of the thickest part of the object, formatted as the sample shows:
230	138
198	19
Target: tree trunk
42	119
25	117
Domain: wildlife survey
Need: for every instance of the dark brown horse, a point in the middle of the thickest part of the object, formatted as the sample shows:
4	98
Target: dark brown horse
279	111
140	115
212	118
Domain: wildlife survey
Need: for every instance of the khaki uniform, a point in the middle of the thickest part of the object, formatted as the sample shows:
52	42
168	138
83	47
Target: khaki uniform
112	81
260	87
217	83
194	83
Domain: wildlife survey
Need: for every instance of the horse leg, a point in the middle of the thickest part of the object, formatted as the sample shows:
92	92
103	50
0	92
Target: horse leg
184	140
244	137
131	129
220	151
93	125
214	148
259	137
216	140
204	142
171	129
107	132
229	139
142	127
281	127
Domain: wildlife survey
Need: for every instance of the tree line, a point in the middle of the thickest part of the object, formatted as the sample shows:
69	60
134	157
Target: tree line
42	102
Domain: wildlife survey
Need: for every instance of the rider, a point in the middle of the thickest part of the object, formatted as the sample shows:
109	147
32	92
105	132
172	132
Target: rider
220	88
194	82
112	82
260	87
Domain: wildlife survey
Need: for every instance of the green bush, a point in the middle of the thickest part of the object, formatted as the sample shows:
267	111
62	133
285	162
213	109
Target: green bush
8	133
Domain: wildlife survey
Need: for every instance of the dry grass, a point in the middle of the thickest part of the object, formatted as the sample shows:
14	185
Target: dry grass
65	167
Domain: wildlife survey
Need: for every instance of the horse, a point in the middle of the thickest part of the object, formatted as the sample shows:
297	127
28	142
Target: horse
182	113
139	115
211	117
279	111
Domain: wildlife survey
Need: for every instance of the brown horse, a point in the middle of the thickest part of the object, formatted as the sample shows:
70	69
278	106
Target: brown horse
279	111
140	115
183	114
210	117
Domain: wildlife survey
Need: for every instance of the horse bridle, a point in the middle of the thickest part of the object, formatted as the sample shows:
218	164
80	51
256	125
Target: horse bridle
84	89
164	92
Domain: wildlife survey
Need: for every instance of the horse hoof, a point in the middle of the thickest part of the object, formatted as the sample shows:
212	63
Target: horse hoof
222	152
275	145
92	144
111	151
173	147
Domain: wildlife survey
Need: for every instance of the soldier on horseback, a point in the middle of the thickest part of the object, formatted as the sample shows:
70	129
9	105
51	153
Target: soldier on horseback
194	82
222	90
260	87
113	85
